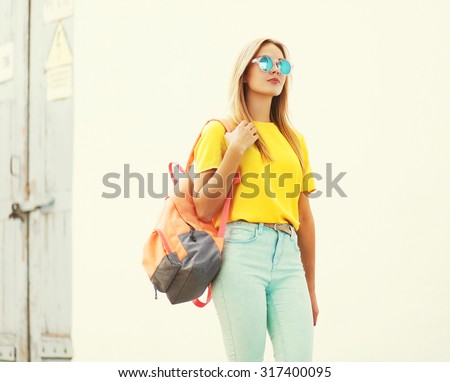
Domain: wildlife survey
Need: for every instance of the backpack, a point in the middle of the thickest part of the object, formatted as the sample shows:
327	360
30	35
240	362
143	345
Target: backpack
183	254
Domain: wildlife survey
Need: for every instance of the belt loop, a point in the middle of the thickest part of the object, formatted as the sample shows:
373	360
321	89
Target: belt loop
260	228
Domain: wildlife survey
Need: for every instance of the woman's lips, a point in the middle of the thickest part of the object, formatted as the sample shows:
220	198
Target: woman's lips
274	81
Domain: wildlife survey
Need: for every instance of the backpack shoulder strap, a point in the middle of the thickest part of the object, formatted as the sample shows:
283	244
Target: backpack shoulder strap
226	122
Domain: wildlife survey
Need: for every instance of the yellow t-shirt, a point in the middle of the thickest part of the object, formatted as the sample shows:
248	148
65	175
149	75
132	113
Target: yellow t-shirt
268	192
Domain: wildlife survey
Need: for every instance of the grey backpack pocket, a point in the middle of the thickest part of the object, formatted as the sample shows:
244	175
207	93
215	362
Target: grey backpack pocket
198	269
165	272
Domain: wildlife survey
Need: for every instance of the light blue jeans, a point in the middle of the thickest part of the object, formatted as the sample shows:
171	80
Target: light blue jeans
261	285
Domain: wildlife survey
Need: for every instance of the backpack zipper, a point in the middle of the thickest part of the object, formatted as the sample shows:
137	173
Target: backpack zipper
192	231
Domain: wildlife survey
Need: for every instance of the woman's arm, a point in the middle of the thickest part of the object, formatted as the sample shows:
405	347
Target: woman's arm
307	243
211	198
213	186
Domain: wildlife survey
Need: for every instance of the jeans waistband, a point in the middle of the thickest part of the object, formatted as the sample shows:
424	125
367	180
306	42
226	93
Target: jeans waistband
283	227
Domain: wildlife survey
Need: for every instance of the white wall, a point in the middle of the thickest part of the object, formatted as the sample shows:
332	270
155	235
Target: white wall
371	94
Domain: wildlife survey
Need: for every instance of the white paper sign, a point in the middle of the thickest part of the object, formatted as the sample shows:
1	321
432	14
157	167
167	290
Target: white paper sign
6	61
59	83
57	9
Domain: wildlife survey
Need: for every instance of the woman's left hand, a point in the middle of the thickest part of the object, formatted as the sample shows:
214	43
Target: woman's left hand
315	307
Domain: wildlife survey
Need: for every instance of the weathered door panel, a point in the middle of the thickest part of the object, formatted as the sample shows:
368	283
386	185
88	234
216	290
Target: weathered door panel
50	177
13	179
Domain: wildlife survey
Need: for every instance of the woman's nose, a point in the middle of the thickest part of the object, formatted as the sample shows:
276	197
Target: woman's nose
275	68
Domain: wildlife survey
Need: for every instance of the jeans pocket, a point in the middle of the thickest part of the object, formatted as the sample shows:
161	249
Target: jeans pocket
240	234
295	241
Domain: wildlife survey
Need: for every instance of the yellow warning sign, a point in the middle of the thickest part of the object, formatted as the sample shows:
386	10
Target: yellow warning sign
60	53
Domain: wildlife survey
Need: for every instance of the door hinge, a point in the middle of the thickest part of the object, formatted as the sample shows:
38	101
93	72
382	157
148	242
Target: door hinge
50	347
7	353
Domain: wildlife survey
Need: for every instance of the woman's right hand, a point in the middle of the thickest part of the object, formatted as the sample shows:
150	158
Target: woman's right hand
243	136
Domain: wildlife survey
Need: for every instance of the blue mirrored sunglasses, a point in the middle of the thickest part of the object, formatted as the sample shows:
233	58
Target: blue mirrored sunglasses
265	63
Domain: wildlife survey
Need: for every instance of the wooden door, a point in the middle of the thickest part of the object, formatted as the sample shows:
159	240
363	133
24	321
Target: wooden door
36	135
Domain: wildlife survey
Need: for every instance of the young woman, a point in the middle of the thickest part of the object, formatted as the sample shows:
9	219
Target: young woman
267	278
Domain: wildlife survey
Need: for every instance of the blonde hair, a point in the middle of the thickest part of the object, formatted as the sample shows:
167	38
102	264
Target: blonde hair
278	108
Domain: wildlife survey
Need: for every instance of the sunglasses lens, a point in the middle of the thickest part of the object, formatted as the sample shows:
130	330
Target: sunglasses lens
285	67
265	63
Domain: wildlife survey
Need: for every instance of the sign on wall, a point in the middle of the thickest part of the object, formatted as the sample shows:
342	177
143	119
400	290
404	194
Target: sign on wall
59	67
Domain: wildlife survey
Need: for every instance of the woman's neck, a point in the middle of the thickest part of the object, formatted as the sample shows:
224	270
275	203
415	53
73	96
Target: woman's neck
259	106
